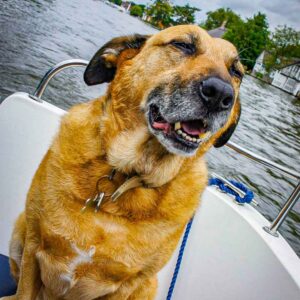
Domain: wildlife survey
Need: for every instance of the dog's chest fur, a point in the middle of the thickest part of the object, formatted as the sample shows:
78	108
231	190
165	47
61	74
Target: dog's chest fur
109	251
96	252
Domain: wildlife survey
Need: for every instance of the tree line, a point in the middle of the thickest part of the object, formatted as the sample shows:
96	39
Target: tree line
251	36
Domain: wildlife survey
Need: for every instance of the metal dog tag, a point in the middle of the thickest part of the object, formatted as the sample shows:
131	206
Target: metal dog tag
98	200
90	202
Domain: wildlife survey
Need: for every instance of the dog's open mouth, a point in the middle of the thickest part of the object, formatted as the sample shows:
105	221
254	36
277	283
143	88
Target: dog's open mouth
188	133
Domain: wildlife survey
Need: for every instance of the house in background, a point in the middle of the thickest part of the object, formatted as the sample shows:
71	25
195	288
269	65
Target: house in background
218	32
259	67
288	79
126	5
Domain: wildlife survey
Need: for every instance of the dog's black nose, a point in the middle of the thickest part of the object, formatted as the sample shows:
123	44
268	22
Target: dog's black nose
216	94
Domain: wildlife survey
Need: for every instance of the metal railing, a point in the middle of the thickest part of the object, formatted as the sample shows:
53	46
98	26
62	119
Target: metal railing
277	222
273	228
52	72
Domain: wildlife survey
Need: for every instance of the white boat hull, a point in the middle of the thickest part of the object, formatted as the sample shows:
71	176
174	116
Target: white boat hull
228	254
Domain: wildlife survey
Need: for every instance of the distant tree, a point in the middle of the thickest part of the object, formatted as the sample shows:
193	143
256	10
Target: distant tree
136	11
142	6
184	14
217	17
118	2
283	37
250	38
161	13
284	45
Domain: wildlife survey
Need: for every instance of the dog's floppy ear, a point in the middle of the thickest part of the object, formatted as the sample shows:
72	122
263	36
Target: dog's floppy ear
103	65
226	135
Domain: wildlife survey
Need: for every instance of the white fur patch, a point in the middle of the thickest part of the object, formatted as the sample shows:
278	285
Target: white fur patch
81	258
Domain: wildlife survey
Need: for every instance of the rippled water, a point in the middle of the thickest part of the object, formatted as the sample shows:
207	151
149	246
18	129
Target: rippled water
34	35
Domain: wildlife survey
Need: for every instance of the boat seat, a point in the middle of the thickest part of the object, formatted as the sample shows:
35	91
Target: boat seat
8	286
26	130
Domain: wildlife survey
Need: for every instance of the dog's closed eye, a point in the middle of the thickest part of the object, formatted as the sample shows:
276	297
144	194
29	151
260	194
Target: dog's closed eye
235	71
186	48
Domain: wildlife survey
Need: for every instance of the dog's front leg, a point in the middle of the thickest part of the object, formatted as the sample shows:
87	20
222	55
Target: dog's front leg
137	288
29	283
146	290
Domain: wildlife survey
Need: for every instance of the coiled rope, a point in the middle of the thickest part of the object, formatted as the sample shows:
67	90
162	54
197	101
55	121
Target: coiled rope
222	186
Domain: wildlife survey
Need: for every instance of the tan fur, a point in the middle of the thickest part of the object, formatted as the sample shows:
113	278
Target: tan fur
117	252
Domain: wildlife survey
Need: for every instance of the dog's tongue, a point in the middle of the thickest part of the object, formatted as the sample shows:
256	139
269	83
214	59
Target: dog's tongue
162	126
192	127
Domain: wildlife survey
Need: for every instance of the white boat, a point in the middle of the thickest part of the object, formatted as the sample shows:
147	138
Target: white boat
233	252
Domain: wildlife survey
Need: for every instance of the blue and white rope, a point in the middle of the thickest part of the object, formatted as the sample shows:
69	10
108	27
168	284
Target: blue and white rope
179	259
248	193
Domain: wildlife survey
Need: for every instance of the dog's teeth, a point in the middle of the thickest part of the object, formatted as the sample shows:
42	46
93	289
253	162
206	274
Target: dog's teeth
194	140
184	134
198	140
189	138
177	125
179	132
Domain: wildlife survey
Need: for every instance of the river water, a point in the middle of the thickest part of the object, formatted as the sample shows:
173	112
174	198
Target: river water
36	34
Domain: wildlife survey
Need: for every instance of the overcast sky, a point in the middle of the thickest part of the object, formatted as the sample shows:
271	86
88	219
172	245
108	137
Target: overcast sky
278	12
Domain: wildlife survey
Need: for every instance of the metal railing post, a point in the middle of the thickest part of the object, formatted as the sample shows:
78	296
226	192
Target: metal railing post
283	212
286	171
53	71
263	161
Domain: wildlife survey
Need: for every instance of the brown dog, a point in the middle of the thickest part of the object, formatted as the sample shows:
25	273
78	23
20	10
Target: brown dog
172	96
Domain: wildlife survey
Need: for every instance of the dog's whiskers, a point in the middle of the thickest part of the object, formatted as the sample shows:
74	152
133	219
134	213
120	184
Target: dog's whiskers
243	50
246	59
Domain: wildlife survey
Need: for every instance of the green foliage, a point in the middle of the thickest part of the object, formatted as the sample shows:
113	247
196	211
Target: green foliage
250	38
259	75
216	18
118	2
285	38
142	6
163	14
136	11
284	45
184	14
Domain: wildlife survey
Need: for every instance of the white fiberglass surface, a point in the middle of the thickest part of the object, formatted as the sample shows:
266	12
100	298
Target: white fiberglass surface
26	130
229	256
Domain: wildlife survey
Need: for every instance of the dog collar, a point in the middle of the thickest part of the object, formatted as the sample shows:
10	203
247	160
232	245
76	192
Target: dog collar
130	183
